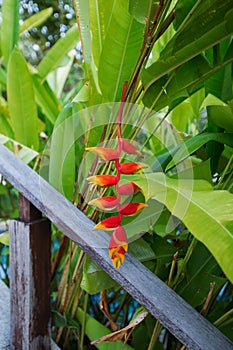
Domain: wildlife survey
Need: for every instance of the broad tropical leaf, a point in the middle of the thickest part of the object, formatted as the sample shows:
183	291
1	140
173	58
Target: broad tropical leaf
210	24
46	99
120	51
21	99
95	329
57	53
9	27
99	20
189	78
62	154
208	214
194	143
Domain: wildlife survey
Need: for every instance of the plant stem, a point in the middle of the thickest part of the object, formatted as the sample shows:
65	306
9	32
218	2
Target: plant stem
83	322
223	318
185	261
155	335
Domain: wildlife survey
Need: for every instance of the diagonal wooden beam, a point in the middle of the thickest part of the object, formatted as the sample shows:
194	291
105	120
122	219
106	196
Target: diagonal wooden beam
184	322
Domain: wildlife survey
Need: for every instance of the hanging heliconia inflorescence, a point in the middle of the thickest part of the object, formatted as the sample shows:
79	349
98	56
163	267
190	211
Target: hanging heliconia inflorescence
118	244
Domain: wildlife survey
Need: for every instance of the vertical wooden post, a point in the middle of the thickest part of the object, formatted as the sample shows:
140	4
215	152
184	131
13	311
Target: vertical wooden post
30	246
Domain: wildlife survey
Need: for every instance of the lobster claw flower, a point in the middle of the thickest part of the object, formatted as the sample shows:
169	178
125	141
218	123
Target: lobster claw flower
105	203
129	148
104	153
131	208
128	189
117	256
118	239
118	245
108	224
131	168
103	180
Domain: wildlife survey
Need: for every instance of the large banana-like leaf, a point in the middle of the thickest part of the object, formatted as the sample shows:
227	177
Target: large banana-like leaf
83	8
211	23
9	27
120	51
46	99
208	214
188	79
21	100
56	54
194	143
62	154
36	20
99	20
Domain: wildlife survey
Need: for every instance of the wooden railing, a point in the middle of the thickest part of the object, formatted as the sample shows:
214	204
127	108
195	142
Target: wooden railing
30	267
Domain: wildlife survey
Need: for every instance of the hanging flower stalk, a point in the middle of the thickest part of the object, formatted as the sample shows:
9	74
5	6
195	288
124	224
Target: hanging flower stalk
118	244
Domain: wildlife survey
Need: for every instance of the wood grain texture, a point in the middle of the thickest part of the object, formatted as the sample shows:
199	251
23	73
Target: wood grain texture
185	323
30	264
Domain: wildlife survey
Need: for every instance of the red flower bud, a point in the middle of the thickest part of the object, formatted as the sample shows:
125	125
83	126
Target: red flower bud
131	208
129	148
104	153
105	203
103	180
128	189
131	168
108	224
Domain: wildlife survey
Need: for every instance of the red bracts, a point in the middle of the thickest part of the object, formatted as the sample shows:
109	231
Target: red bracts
118	244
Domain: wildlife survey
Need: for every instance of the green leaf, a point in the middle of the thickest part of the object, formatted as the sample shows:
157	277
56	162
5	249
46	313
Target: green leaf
57	53
201	270
205	212
95	330
139	9
36	20
182	10
141	250
194	143
94	278
62	154
120	51
83	8
209	24
21	100
3	77
46	99
24	153
100	15
188	79
221	116
220	83
5	238
9	27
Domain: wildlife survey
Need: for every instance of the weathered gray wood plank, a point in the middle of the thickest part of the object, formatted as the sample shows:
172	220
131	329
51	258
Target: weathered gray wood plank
5	319
30	262
173	312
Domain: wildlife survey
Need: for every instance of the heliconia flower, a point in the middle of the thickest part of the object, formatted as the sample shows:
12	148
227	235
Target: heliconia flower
117	256
104	153
118	239
103	180
105	203
131	168
128	189
108	224
129	148
131	208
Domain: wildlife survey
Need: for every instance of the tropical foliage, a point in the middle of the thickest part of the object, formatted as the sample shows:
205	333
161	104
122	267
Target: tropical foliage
176	128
